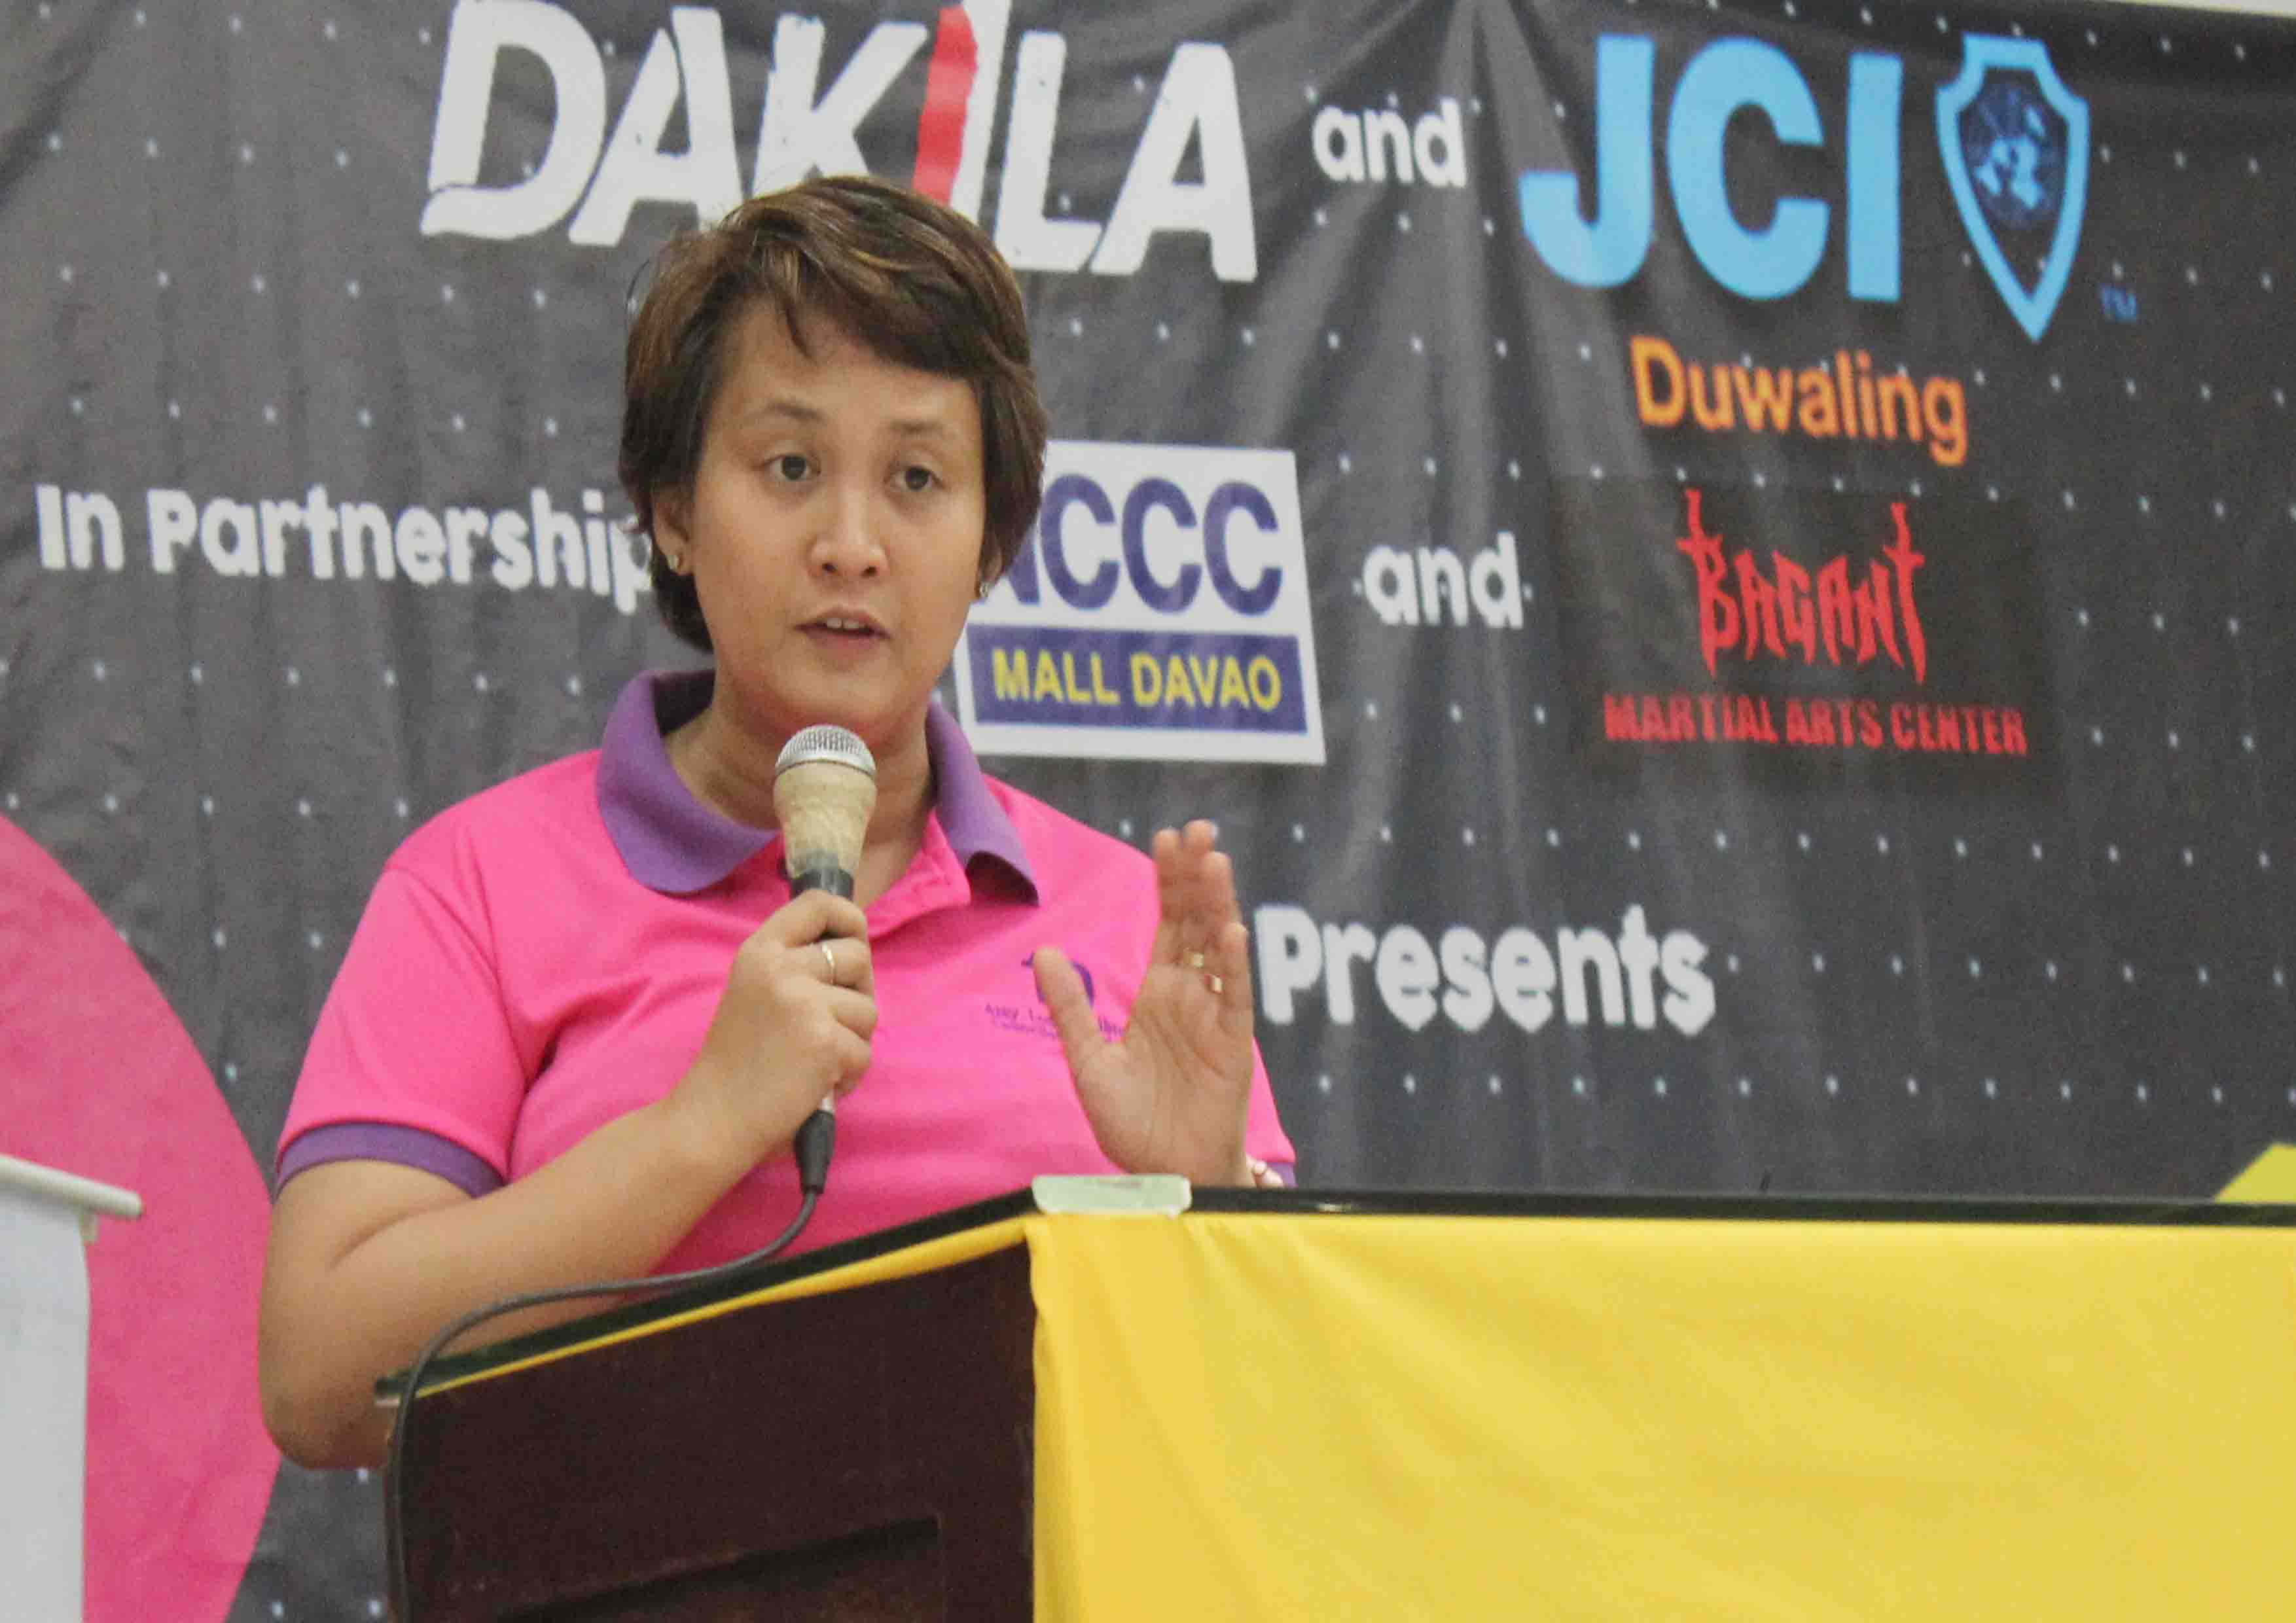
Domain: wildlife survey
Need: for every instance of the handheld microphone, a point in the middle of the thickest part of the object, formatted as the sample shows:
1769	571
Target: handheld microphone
825	788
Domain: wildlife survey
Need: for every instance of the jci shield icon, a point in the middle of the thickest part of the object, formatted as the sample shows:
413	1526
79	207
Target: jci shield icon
2014	143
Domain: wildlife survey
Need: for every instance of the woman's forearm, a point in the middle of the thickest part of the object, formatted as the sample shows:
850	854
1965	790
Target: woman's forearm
369	1261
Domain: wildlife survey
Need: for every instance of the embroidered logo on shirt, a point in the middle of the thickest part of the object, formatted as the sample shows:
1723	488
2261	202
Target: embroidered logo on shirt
1038	1021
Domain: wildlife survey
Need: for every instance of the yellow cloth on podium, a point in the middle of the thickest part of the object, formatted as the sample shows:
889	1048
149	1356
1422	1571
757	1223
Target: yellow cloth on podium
2270	1178
1402	1417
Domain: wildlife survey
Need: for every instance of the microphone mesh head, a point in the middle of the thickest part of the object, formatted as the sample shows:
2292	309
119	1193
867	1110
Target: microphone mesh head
834	745
825	788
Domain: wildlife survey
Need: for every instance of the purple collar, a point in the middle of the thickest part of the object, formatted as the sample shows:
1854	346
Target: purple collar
671	842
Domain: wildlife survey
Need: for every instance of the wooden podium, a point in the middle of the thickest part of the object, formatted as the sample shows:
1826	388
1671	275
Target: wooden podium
861	1454
1292	1404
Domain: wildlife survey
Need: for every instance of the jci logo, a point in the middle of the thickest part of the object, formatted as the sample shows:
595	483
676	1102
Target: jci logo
2014	143
1159	611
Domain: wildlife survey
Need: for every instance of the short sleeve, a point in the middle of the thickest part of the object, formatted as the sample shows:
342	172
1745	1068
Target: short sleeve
1263	1133
412	1036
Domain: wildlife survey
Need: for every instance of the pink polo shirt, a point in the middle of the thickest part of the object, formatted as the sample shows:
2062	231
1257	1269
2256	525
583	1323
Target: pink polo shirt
547	956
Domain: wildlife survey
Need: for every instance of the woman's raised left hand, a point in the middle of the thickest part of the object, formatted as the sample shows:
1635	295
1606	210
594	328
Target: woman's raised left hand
1171	1093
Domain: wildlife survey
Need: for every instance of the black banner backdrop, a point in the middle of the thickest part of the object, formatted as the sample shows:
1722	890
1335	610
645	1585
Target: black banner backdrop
1723	568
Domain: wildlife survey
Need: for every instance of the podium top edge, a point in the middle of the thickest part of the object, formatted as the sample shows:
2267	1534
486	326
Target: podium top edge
68	1189
2086	1212
2168	1213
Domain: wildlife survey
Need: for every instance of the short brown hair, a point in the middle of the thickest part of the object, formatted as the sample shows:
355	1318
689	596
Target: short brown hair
910	279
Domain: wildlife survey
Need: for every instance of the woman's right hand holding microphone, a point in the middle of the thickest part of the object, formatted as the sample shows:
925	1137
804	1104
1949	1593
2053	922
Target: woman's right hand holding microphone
792	1030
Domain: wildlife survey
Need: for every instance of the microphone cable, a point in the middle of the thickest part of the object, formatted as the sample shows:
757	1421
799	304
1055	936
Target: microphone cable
815	1142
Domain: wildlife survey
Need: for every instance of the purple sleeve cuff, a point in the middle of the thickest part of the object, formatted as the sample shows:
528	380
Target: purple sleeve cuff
378	1141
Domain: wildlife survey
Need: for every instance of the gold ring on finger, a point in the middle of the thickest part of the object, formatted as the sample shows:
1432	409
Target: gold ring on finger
832	957
1195	961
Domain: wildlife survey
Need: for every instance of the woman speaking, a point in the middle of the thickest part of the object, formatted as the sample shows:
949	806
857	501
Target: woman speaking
583	1015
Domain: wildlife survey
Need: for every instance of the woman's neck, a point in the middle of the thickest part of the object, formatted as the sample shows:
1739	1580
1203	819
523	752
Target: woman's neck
730	769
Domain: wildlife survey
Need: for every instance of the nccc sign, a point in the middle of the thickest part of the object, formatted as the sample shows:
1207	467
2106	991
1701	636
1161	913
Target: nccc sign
1160	611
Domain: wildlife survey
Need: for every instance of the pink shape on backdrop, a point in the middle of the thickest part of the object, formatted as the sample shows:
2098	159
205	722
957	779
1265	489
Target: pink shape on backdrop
101	1079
